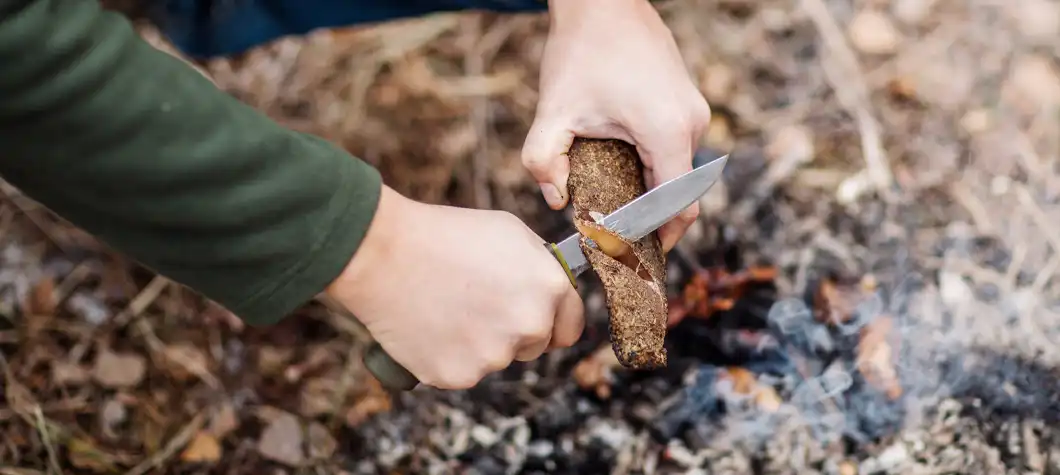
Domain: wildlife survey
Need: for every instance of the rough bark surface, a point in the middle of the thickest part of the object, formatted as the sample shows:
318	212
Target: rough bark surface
604	175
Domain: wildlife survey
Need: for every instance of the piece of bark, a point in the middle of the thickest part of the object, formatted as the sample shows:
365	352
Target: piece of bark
604	175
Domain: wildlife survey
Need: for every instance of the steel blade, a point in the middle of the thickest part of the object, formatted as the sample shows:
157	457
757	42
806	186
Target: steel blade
648	212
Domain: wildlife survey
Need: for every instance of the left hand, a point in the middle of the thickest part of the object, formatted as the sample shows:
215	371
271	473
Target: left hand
615	72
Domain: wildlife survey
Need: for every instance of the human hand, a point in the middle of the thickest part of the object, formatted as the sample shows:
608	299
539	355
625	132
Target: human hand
615	72
454	294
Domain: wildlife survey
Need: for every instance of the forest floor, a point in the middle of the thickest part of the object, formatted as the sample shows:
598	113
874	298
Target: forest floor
870	290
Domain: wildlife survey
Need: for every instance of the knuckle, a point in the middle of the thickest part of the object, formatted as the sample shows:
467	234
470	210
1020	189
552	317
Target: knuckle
536	329
454	379
496	359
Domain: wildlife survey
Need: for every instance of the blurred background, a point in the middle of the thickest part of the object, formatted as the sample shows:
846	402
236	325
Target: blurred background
871	289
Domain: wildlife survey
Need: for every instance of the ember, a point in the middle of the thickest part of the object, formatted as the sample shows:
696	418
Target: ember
829	359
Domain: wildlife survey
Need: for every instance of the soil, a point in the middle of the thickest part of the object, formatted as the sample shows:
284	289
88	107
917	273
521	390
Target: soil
901	151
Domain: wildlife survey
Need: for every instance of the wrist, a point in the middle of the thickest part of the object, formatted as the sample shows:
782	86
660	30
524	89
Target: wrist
378	244
564	9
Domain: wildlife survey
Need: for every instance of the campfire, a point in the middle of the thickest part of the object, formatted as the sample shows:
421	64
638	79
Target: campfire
747	354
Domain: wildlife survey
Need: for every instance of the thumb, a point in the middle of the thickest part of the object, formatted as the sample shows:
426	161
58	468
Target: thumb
545	156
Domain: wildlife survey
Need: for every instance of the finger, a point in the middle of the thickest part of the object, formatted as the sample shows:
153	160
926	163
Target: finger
544	154
671	156
672	232
570	321
534	350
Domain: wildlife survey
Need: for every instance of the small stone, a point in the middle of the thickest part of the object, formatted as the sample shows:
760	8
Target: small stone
954	291
872	32
484	436
892	457
282	441
114	370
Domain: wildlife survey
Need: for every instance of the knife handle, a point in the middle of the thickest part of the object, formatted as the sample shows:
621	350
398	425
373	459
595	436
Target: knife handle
394	377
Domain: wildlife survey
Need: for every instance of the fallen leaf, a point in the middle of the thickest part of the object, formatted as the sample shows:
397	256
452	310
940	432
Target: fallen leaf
41	299
282	441
204	448
66	373
374	400
118	370
596	371
84	454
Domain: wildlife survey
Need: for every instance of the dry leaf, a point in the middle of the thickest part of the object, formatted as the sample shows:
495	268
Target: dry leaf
41	299
114	370
321	444
84	454
204	448
374	401
282	441
66	373
595	372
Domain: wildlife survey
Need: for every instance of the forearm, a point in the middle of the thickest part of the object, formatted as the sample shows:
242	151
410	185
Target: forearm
139	149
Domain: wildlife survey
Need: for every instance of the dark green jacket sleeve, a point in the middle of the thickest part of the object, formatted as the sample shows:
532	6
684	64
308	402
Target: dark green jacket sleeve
137	148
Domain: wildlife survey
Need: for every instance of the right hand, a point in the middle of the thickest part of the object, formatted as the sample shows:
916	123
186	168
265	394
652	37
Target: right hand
454	294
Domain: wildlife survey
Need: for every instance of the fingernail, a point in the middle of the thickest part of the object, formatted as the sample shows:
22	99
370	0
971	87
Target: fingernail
551	194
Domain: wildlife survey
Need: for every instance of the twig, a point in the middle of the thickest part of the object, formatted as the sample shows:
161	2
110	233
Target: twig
64	405
42	427
156	346
849	85
971	203
180	440
135	307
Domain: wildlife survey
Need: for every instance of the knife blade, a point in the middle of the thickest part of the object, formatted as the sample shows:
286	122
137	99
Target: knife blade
647	213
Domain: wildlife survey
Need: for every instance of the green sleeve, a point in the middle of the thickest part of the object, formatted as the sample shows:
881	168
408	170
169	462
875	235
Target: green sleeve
140	150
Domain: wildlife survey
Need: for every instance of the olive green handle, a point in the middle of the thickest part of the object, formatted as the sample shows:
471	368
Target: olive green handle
390	373
395	377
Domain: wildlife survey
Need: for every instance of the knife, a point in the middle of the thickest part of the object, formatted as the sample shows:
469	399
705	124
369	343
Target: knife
632	221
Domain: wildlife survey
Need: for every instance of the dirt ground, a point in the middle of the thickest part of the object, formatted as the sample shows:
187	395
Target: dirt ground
893	163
